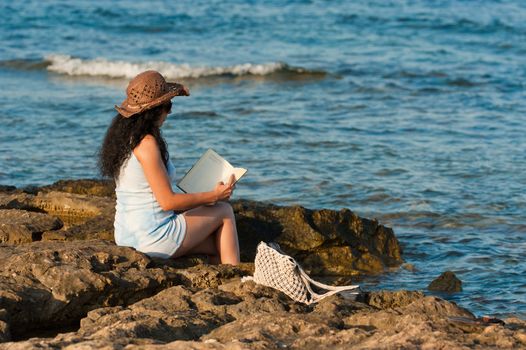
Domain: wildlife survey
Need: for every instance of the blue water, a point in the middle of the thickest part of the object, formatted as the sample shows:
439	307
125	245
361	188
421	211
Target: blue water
412	112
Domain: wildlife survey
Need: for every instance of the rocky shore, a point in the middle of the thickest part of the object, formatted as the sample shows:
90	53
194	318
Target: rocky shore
65	284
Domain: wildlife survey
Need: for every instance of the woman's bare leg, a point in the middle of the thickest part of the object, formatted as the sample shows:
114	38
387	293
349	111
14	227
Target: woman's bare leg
226	237
207	221
208	247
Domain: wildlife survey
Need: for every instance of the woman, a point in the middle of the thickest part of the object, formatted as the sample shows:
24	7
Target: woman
149	215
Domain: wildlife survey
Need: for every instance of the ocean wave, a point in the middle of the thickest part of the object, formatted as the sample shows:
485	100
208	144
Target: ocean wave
24	64
68	65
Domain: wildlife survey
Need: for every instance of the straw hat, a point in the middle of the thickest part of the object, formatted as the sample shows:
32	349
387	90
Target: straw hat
147	90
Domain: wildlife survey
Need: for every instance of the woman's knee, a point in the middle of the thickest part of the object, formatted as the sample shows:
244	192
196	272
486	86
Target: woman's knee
228	211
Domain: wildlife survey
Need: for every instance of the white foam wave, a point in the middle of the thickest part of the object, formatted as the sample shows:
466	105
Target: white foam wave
65	64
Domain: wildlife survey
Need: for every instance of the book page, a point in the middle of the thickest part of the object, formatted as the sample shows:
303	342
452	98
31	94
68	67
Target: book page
210	169
238	173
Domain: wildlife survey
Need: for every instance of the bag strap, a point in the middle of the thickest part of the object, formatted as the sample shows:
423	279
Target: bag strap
308	281
315	297
331	289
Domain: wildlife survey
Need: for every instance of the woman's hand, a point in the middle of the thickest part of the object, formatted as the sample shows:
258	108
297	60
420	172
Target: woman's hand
222	191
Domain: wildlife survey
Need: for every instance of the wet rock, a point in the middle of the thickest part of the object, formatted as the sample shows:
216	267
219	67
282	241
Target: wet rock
325	242
446	282
391	300
7	188
20	226
409	267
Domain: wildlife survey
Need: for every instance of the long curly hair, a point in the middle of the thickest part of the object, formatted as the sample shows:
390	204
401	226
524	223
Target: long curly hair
124	134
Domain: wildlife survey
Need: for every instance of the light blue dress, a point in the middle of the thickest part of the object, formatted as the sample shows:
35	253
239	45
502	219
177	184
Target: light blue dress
139	220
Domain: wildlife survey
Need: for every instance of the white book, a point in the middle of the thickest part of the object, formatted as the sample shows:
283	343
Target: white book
210	169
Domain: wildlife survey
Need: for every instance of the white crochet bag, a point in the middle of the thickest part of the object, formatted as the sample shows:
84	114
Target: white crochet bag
275	269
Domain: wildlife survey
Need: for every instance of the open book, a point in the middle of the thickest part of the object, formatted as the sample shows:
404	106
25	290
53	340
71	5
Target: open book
207	172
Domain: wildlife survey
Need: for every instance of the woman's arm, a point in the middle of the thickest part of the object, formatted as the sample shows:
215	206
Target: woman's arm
148	154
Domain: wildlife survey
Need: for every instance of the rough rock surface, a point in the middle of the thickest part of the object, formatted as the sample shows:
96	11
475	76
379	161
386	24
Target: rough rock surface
98	295
99	188
446	282
21	226
249	316
5	334
325	242
54	284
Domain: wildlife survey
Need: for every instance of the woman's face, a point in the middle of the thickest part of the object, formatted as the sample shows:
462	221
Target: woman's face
164	115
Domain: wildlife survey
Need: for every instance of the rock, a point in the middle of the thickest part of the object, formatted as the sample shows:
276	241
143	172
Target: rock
170	315
57	203
5	334
446	282
70	205
391	300
99	188
54	284
99	295
250	316
325	242
20	226
409	267
89	217
6	188
84	217
17	200
98	227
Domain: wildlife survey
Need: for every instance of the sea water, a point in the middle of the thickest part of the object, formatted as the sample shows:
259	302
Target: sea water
411	112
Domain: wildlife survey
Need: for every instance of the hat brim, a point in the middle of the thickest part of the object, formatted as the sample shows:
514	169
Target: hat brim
127	109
